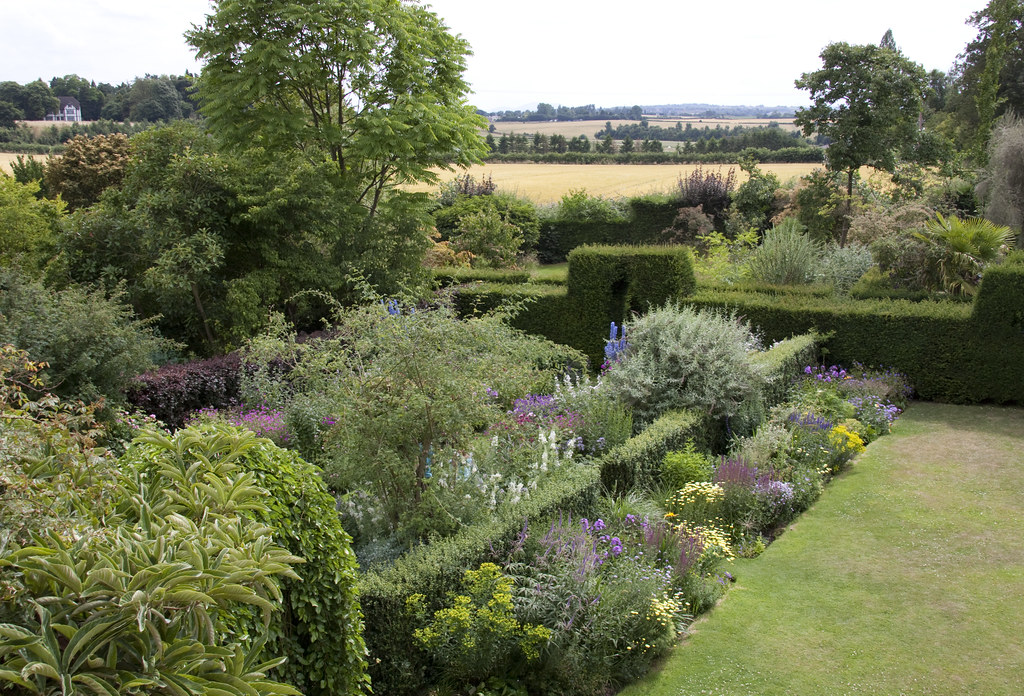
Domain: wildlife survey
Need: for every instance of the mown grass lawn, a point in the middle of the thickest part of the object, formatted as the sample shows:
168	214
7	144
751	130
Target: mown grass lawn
907	576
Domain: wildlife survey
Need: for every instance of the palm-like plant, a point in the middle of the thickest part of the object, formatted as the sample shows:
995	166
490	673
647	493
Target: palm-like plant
967	246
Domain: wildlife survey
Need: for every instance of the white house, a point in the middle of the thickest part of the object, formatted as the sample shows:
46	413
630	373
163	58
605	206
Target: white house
70	110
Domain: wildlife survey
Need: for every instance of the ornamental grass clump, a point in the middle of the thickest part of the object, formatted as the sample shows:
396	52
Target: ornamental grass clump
787	255
681	358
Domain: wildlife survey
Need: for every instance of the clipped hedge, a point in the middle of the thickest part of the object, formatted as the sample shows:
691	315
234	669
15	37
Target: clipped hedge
784	361
605	284
950	351
999	305
444	277
397	666
637	462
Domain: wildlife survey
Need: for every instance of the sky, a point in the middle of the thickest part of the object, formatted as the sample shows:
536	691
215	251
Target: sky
528	51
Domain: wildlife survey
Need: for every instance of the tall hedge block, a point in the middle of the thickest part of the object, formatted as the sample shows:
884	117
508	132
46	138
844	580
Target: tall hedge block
950	351
999	305
605	284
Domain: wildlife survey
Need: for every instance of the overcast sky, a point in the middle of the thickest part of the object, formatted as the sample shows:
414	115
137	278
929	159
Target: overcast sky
529	51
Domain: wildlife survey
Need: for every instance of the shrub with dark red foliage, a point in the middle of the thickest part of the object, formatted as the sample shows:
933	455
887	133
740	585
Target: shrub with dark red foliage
174	392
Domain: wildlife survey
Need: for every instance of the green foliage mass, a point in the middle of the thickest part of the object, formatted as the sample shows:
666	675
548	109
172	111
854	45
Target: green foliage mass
319	624
965	247
209	241
139	584
478	635
87	167
374	88
389	394
686	465
787	256
94	344
512	209
491	240
28	225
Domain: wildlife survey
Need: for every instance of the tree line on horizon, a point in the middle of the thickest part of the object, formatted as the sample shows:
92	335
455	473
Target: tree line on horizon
148	98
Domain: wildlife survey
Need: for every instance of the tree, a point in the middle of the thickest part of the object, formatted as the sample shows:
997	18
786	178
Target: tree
34	100
867	101
154	99
28	225
374	86
9	114
888	41
208	241
1002	183
545	112
988	72
88	166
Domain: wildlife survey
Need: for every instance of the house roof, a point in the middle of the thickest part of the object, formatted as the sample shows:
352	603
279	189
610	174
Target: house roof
69	101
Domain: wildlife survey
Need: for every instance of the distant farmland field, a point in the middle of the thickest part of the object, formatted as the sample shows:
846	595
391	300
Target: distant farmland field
547	183
573	128
6	158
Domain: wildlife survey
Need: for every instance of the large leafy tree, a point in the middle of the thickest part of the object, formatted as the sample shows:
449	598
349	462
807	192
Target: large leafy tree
990	71
866	100
208	240
374	86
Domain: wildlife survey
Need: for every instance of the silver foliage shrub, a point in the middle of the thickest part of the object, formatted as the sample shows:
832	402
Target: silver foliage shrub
841	267
678	357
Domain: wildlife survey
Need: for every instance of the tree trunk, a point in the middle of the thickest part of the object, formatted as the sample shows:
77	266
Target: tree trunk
202	314
844	229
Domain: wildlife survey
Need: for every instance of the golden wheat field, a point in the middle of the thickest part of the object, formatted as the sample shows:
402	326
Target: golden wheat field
6	158
571	129
547	183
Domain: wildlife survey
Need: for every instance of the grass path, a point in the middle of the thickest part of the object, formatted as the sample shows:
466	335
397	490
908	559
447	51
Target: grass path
907	577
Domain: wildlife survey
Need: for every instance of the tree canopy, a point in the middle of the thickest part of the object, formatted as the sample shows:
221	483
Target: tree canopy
867	101
374	86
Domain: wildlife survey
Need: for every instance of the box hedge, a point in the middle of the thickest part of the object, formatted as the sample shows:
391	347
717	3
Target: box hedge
605	284
951	351
637	462
644	222
784	361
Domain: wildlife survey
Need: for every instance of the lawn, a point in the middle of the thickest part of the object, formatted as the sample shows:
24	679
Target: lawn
907	576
